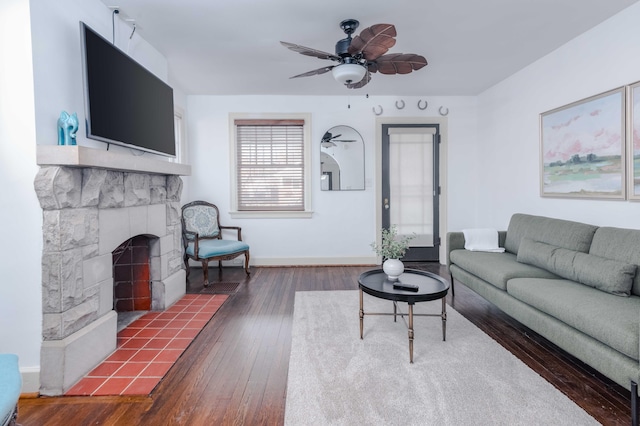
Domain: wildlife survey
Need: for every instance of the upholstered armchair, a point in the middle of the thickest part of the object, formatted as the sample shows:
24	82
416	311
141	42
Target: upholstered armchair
202	238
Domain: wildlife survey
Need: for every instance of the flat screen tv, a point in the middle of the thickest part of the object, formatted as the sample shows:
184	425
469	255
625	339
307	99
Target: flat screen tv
125	104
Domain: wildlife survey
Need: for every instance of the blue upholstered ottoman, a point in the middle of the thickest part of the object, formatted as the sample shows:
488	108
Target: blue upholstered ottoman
10	386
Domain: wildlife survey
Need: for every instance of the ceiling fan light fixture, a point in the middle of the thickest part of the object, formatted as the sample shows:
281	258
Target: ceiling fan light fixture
348	73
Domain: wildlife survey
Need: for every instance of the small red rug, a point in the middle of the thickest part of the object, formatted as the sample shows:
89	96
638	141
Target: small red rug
148	347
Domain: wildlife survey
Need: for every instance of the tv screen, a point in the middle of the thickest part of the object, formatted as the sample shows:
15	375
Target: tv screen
125	104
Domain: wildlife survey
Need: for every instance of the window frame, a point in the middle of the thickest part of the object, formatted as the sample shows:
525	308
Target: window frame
179	122
306	212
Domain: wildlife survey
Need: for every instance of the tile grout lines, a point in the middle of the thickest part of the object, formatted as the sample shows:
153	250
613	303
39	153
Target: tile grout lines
148	347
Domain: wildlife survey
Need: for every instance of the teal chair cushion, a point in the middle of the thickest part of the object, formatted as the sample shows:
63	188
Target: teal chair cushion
214	248
202	220
10	385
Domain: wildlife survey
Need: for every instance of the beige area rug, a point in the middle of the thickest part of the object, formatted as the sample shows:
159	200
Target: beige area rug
337	379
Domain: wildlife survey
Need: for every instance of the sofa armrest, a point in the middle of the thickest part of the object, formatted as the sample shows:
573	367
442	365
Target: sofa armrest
502	237
455	241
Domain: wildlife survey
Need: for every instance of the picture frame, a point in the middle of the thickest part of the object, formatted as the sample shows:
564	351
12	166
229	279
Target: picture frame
633	143
583	148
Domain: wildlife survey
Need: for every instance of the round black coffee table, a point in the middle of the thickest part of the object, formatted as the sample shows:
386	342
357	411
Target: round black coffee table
422	287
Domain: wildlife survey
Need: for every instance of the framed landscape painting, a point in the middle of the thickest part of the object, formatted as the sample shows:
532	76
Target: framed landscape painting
634	142
582	148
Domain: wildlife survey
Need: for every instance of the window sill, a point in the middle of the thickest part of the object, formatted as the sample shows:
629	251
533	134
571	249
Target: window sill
270	215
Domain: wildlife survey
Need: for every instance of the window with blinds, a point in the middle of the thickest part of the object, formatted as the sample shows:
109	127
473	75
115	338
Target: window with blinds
270	165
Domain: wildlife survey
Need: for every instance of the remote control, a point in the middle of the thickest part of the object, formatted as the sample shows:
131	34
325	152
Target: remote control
407	287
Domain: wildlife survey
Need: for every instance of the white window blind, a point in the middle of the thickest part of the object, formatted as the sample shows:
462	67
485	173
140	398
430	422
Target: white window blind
270	165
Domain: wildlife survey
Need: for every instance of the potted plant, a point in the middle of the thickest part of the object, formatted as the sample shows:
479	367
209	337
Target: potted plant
392	249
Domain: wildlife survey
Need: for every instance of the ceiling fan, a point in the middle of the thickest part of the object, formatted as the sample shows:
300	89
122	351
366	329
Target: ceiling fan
328	140
362	55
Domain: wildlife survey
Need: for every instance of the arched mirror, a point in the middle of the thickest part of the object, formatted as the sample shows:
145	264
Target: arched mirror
342	160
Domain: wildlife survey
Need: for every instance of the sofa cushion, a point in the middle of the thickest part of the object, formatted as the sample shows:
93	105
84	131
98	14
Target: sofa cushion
609	319
496	268
562	233
619	244
604	274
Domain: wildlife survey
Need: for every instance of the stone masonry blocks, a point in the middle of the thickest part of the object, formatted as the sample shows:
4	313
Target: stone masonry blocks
92	182
136	189
174	188
87	213
174	213
58	187
112	191
157	220
158	189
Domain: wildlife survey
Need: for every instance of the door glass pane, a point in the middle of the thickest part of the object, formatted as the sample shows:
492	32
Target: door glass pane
411	185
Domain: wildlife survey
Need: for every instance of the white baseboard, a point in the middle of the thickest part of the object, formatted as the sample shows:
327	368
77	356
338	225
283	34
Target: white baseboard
314	261
30	379
302	261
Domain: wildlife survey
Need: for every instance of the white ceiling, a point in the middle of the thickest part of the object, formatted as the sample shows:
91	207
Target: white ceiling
231	47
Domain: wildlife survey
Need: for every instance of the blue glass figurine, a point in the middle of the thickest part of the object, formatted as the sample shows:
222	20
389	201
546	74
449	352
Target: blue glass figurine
67	128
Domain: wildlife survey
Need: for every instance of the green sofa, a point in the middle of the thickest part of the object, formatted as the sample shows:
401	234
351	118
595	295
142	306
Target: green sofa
576	284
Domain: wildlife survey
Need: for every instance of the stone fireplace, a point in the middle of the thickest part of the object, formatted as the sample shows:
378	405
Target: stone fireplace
90	209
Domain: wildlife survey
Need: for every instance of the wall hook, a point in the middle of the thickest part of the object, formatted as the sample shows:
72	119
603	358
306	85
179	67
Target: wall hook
443	113
426	104
375	112
400	106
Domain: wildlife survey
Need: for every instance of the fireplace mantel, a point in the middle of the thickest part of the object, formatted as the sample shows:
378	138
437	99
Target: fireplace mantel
81	156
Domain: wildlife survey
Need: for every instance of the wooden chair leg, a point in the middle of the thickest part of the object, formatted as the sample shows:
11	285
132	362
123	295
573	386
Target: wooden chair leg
186	265
205	271
246	262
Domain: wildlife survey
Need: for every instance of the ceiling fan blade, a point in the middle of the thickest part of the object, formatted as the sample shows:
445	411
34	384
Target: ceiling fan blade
315	72
307	51
329	137
374	41
361	83
399	63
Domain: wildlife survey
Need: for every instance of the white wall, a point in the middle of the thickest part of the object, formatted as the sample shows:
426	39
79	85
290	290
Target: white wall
343	222
604	58
40	75
20	214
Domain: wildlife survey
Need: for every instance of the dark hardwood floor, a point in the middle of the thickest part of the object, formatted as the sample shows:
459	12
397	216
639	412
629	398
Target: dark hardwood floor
235	371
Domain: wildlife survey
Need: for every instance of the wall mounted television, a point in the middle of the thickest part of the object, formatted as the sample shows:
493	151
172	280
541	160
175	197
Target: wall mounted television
125	104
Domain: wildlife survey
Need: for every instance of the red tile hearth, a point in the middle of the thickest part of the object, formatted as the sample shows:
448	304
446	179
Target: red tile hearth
148	347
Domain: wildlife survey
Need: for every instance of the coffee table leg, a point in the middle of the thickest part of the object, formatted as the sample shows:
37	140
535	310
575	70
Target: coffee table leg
361	314
444	319
411	334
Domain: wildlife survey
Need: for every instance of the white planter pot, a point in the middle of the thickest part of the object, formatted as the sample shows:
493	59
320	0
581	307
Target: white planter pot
393	268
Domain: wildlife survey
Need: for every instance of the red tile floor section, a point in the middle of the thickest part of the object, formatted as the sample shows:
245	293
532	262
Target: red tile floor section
148	347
